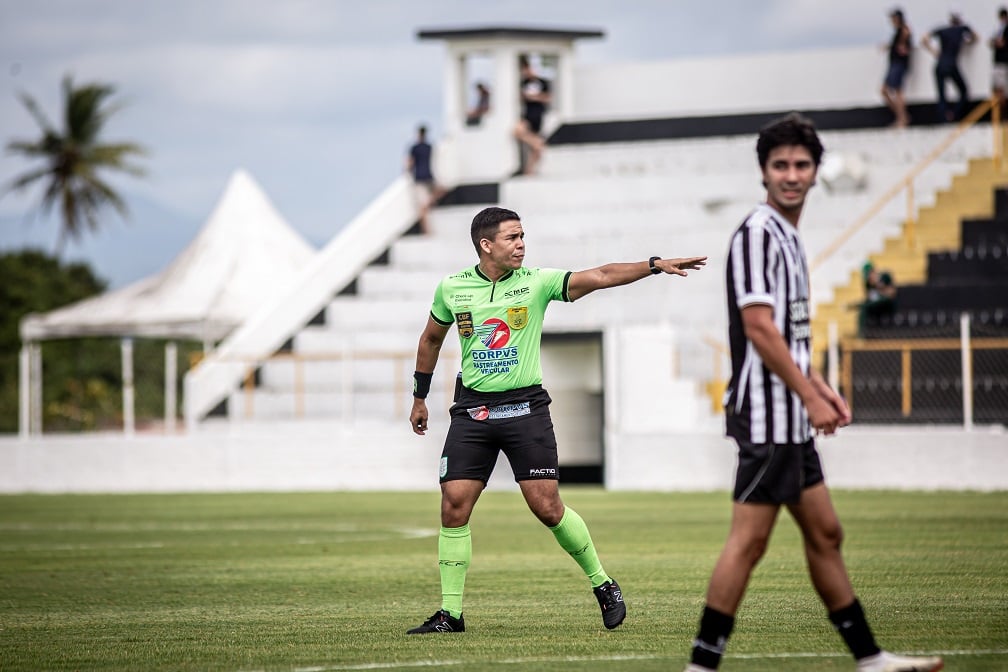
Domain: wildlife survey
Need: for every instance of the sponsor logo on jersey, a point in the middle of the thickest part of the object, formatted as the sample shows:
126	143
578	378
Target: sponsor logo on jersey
465	324
498	357
517	317
798	314
500	412
493	333
512	293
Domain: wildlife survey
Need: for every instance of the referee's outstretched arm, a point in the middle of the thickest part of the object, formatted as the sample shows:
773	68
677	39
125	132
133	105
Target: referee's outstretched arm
614	275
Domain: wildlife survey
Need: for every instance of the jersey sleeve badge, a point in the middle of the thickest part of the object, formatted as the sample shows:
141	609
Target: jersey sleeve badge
465	324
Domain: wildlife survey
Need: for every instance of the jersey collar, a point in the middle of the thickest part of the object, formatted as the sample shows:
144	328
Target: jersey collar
500	279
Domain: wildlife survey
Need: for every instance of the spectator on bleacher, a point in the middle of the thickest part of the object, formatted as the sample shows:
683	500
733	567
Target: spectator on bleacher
880	297
426	190
899	63
951	39
535	97
999	72
775	405
474	117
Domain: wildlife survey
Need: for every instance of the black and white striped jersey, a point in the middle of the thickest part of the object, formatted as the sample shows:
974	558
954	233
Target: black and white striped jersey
767	265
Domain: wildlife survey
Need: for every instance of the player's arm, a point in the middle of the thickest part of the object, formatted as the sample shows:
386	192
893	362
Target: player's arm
544	96
428	350
758	323
614	275
903	45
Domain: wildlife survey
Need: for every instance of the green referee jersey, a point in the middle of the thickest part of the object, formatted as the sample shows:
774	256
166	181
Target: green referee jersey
499	323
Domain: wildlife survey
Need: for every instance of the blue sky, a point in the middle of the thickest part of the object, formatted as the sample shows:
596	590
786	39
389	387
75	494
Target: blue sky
318	99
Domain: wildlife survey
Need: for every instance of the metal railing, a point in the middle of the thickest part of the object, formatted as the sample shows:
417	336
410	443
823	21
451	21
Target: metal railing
401	386
907	181
946	381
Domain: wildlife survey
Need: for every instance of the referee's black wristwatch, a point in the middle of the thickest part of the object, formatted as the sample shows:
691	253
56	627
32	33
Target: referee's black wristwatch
654	269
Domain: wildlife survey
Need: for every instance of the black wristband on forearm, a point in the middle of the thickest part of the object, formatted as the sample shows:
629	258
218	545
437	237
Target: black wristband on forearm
421	384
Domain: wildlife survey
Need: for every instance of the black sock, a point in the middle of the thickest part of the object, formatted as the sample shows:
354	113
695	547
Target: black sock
715	627
852	625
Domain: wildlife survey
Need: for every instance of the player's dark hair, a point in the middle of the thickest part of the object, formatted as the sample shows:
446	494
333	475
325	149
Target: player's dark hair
487	223
791	129
1003	12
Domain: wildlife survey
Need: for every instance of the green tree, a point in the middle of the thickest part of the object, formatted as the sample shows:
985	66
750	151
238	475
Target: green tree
31	281
72	158
81	377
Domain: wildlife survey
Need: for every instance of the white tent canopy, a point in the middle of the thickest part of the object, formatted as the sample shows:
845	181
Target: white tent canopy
246	253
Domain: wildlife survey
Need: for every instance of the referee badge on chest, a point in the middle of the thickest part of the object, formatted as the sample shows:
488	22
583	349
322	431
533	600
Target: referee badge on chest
465	324
517	317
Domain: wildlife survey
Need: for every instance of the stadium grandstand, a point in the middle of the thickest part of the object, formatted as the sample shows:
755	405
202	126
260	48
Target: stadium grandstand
642	159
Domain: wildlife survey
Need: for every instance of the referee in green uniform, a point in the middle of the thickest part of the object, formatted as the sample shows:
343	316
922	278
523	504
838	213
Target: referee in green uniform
498	308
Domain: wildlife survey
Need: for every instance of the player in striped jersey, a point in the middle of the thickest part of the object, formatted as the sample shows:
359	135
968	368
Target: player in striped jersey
774	402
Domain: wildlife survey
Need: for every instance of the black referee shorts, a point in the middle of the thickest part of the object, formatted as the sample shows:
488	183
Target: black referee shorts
485	423
775	473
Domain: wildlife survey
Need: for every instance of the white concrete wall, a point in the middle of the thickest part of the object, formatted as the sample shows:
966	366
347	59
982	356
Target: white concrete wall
810	80
298	456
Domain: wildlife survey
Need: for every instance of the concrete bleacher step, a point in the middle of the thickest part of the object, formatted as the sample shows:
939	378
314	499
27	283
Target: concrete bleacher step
391	282
348	312
588	192
898	149
323	340
594	205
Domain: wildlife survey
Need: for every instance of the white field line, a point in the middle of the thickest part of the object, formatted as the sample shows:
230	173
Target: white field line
406	665
349	536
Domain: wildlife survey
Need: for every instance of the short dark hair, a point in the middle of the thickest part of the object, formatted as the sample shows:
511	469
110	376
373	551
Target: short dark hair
898	13
487	223
1003	12
791	129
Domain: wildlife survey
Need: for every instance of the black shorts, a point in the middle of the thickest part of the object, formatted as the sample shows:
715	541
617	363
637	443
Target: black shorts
485	423
534	120
771	473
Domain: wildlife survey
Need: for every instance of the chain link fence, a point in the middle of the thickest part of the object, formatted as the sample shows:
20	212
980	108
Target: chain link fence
950	369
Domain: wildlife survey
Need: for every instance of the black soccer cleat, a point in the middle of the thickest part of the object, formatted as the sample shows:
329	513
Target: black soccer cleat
441	621
610	601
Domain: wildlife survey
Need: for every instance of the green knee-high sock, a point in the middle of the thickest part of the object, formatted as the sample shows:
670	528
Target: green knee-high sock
454	554
572	535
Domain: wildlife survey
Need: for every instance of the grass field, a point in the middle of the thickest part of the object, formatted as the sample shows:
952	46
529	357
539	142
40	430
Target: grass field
330	581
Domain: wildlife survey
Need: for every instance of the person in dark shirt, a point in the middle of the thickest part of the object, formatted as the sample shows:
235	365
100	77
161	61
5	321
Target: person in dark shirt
474	117
999	72
535	96
899	63
426	189
951	39
880	297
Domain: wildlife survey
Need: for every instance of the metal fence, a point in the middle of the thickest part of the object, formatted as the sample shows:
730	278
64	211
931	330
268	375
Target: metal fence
927	378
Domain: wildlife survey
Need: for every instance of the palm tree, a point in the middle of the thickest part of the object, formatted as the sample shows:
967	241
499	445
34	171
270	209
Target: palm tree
73	158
